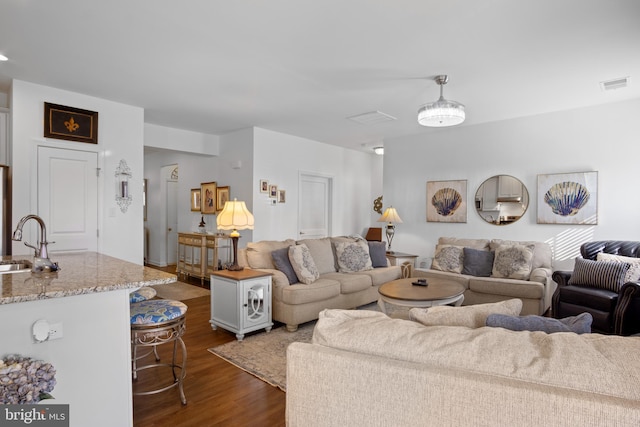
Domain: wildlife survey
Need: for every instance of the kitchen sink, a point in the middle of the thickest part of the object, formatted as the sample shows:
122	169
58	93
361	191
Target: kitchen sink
15	266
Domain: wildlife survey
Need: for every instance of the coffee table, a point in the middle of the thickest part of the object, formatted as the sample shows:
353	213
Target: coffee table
401	292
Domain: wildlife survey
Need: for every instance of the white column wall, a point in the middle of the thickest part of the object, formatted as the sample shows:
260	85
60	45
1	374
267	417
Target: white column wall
120	136
601	138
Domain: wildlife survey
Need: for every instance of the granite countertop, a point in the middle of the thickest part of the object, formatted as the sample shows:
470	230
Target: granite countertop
80	273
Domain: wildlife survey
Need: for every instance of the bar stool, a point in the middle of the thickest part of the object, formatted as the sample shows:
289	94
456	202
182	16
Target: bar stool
142	294
156	322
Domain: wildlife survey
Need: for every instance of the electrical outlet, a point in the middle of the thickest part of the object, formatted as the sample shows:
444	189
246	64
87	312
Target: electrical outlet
55	331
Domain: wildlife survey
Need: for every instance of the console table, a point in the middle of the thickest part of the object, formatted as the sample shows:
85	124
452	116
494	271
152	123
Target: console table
199	254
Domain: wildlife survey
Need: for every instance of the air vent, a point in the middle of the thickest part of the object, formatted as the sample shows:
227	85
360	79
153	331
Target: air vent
615	83
372	118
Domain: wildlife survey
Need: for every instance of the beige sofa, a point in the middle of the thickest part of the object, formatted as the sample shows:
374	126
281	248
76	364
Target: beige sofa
535	289
364	368
294	304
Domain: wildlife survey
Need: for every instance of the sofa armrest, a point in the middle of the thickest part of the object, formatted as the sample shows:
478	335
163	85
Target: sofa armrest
562	277
628	292
540	274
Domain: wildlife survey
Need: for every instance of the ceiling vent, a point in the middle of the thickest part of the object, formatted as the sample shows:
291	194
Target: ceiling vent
372	118
615	83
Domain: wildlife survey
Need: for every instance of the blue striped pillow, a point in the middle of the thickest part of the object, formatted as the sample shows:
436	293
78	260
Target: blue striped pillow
599	274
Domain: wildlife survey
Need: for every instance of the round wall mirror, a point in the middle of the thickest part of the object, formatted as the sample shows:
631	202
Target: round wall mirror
501	200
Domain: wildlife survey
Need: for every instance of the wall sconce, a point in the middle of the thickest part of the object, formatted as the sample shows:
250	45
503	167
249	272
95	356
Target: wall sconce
123	198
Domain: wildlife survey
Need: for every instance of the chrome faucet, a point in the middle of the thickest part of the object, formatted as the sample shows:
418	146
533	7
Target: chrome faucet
42	261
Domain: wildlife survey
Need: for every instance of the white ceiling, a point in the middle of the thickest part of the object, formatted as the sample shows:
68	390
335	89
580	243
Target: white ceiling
302	67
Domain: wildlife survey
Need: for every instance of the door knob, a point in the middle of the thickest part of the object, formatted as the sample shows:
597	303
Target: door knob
168	229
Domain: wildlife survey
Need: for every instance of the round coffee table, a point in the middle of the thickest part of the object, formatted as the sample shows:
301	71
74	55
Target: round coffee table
401	292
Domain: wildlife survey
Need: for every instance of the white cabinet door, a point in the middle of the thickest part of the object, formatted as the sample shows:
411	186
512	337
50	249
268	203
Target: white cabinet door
509	186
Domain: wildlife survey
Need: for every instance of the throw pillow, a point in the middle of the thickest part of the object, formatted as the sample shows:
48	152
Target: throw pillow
353	256
378	254
259	253
477	263
580	324
513	261
303	264
599	274
448	258
282	263
471	316
633	273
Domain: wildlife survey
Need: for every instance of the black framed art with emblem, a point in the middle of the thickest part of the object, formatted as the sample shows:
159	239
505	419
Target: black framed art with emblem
72	124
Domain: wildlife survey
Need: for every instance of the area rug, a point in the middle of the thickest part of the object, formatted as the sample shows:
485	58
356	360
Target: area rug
264	355
179	291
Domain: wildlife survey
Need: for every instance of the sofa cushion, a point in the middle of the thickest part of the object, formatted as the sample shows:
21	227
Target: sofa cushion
353	256
303	263
513	261
633	274
350	282
480	244
477	262
320	290
322	253
378	254
580	324
259	253
281	261
383	275
448	258
599	274
558	360
513	288
471	316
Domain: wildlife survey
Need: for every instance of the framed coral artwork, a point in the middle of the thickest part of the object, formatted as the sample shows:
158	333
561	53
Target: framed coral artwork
568	198
447	201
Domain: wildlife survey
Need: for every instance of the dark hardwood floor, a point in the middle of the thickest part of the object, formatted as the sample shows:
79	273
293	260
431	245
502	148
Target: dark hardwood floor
218	393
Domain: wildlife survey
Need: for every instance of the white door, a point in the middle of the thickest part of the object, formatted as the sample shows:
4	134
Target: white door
314	206
172	222
68	198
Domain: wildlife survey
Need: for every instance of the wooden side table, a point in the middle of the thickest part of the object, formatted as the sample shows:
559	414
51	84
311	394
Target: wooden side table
241	301
398	258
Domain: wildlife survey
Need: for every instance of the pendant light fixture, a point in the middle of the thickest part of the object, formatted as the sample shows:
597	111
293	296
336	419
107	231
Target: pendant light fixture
442	112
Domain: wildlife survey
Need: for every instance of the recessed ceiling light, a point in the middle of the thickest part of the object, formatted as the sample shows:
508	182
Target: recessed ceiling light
3	58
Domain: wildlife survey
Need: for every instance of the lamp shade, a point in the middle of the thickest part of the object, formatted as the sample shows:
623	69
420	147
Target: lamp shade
235	216
390	215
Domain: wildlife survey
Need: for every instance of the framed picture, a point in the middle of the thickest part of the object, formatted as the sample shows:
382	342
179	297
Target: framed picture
447	201
208	197
222	196
568	198
195	200
264	186
273	191
72	124
281	196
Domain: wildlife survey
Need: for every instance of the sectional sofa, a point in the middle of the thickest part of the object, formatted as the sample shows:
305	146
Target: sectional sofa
363	367
496	270
348	273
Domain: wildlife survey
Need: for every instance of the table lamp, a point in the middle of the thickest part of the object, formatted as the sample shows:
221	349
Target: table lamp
390	216
235	216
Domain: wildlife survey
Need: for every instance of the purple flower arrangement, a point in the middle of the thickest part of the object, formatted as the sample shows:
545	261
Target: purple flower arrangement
23	380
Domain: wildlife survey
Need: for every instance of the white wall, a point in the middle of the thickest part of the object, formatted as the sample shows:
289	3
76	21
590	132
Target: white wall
602	138
280	158
120	136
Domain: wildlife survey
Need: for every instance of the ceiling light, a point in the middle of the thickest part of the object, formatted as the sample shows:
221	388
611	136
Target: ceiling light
3	58
442	112
378	150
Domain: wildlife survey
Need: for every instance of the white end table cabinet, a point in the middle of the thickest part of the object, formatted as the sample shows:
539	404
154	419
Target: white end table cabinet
241	301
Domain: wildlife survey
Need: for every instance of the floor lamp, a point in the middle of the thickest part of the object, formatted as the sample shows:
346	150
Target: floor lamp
235	216
390	216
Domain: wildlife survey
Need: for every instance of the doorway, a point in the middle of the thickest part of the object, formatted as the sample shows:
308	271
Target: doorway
170	176
314	208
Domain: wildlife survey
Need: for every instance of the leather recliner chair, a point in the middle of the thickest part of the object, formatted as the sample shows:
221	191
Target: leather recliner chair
613	312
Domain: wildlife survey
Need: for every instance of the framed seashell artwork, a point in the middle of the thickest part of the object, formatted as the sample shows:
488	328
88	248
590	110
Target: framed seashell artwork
447	201
568	198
